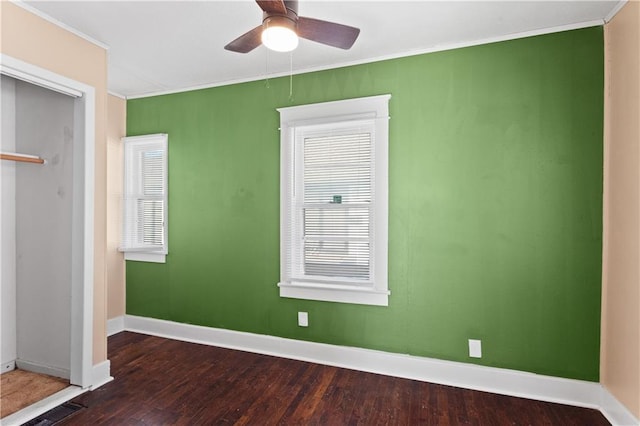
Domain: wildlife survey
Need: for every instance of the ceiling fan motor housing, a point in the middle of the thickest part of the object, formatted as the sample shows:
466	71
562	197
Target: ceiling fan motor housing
290	20
280	21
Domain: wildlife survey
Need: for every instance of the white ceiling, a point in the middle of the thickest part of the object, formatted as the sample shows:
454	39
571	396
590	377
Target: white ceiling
166	46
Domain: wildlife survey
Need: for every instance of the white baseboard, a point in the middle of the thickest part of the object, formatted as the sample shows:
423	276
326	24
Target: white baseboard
101	374
469	376
115	325
615	411
63	373
7	366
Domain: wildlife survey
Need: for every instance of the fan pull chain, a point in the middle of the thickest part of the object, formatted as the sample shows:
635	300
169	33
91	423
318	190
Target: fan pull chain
266	70
291	77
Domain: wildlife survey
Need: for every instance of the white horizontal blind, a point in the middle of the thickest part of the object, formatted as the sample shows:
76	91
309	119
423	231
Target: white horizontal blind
334	205
145	194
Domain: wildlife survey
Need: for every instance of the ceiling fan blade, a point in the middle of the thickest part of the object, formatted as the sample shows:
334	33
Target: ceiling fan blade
272	6
330	33
247	41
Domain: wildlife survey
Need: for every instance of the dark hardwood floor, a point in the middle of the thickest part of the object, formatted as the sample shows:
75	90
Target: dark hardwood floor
162	382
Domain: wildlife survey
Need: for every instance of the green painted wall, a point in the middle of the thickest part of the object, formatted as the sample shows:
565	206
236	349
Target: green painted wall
495	206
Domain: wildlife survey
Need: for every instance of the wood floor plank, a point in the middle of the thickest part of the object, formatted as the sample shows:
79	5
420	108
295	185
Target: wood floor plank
167	382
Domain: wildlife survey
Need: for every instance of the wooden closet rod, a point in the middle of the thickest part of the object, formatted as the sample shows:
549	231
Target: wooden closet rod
21	157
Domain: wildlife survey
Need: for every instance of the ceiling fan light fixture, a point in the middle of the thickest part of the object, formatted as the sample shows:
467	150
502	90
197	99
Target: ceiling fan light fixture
279	34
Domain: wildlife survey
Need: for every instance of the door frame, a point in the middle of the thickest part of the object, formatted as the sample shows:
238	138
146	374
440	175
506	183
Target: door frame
82	245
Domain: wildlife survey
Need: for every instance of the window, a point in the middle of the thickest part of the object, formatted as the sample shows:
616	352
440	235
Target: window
333	224
144	235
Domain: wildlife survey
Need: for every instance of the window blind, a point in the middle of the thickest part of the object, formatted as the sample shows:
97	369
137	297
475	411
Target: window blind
334	206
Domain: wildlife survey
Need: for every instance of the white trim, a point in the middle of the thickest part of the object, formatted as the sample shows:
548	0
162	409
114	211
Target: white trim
54	21
148	137
7	366
42	406
115	325
145	257
367	107
432	49
333	293
101	375
469	376
28	74
296	122
615	411
614	11
82	245
117	95
42	369
84	284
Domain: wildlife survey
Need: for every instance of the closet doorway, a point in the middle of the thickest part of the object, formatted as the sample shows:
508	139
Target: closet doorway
46	214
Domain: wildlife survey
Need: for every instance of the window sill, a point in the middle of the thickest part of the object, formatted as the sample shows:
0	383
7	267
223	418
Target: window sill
145	257
334	293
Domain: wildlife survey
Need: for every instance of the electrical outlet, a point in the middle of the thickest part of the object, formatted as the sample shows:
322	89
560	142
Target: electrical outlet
475	348
303	319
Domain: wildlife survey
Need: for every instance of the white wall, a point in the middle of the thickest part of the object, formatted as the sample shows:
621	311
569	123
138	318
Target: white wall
44	127
8	227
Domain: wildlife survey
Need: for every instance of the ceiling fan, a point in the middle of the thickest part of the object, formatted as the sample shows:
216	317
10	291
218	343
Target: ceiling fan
281	27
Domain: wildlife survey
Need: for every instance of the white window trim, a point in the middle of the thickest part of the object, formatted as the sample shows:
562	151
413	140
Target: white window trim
352	110
146	257
149	255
